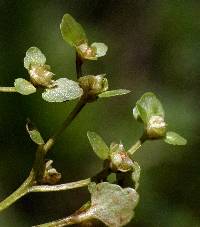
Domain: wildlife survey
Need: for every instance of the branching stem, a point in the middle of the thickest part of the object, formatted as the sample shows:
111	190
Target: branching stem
21	191
38	167
60	187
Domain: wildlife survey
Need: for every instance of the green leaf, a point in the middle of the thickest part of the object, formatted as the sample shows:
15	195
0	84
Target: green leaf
175	139
148	106
34	133
72	32
98	145
24	87
100	48
64	90
136	174
112	204
136	114
112	93
34	56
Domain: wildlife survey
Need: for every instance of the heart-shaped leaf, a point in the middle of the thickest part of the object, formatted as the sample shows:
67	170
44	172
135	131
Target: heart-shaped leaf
112	93
64	90
98	145
72	32
112	204
175	139
34	56
24	87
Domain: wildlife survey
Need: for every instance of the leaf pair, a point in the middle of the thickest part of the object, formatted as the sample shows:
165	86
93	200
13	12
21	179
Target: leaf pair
74	34
59	90
149	110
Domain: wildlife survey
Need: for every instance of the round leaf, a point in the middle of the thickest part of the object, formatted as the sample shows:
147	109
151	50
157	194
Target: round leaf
148	106
24	87
98	145
34	56
100	48
112	204
72	32
64	90
175	139
112	93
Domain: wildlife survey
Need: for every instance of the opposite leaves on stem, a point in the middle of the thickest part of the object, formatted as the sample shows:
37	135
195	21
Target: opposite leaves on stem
74	34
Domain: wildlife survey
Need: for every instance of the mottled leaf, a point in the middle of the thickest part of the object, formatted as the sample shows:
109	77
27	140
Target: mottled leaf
98	145
175	139
72	32
24	87
64	90
34	133
112	93
112	204
100	48
34	56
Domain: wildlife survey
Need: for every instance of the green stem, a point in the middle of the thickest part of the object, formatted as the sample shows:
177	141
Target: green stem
79	63
38	167
21	191
73	219
7	89
65	124
137	145
60	187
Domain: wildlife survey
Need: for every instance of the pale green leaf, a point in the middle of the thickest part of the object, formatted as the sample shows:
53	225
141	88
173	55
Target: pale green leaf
64	90
148	106
98	145
72	32
34	134
24	87
34	56
100	48
175	139
111	204
112	93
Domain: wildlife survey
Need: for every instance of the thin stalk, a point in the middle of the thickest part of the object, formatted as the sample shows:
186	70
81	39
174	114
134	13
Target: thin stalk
137	145
73	219
21	191
60	187
7	89
79	63
65	124
38	166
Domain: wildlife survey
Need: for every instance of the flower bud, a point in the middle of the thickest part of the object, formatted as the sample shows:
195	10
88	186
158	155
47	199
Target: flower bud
41	76
93	85
120	161
86	52
51	176
156	127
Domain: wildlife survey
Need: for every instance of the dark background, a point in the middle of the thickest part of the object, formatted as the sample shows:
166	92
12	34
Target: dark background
153	46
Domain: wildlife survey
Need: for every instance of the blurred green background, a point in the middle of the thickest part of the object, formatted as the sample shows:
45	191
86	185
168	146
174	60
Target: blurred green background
153	46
